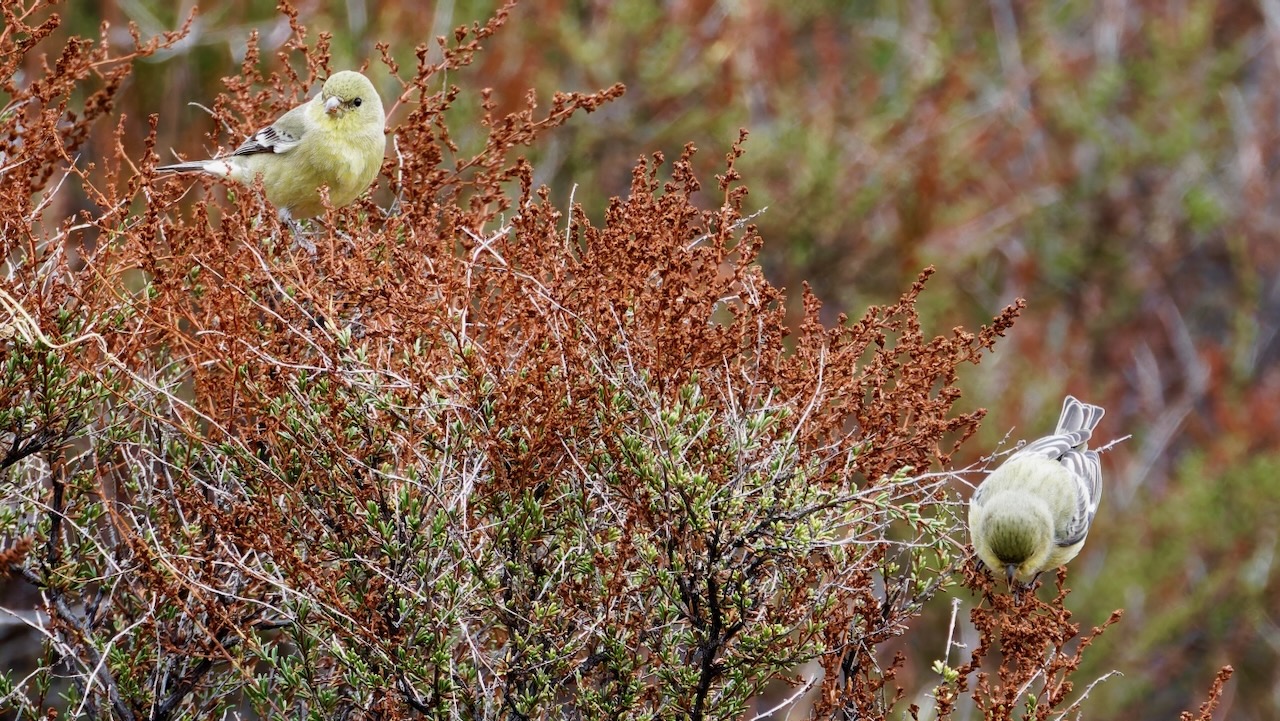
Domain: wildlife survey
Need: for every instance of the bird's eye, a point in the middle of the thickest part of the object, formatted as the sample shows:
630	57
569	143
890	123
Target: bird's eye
356	102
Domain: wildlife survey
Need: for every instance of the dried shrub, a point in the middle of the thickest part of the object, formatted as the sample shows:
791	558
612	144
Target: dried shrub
1205	712
1035	664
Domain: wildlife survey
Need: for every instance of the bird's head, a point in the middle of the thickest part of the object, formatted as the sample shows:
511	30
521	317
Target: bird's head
348	94
1021	548
1017	536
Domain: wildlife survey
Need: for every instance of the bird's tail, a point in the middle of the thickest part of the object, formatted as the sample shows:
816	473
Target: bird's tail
1078	417
196	167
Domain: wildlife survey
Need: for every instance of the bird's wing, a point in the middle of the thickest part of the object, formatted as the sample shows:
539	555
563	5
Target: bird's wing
1054	447
279	137
1086	471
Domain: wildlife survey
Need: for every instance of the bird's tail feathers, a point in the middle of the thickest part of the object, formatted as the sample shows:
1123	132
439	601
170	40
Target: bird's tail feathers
215	166
1078	417
1075	428
182	168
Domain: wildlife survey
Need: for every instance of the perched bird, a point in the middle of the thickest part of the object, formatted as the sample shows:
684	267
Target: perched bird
336	139
1033	512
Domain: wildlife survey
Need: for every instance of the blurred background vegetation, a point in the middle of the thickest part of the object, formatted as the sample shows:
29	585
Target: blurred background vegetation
1110	161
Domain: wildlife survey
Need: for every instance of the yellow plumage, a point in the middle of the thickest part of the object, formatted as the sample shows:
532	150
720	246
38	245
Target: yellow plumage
336	139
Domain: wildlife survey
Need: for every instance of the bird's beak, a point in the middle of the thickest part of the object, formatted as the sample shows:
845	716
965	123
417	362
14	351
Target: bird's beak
1014	588
332	104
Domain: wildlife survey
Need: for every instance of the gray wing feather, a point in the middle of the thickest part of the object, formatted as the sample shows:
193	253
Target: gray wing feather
279	137
1053	447
268	140
1086	469
1076	423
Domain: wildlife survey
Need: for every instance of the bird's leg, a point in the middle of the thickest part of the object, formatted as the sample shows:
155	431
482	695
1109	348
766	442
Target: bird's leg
1030	587
300	239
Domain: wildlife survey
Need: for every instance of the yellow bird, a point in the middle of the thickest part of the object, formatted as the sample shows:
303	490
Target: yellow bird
1033	513
336	139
